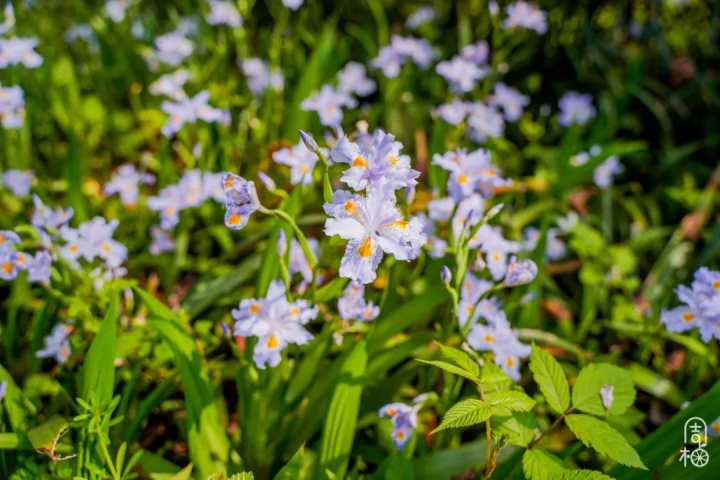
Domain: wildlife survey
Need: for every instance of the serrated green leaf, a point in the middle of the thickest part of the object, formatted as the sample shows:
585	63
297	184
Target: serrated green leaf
493	378
601	437
586	395
464	414
519	428
449	367
460	358
540	465
549	376
583	475
504	403
98	375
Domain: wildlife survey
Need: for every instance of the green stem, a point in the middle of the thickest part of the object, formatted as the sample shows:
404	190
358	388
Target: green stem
309	255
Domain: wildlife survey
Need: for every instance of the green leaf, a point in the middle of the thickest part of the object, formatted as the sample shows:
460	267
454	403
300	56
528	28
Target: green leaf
549	376
583	475
657	447
98	375
207	440
464	414
586	392
339	429
460	358
449	367
45	436
297	468
504	403
494	379
155	306
540	465
604	439
447	464
519	428
331	290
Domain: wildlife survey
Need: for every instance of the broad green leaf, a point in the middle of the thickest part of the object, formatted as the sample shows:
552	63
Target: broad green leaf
540	465
297	468
549	376
493	378
586	395
155	306
464	414
519	428
460	358
98	375
504	403
14	402
449	367
45	437
601	437
583	475
339	429
308	367
395	467
184	474
206	434
14	441
447	464
666	441
331	290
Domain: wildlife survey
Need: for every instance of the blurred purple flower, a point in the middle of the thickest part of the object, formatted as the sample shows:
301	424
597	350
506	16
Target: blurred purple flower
18	181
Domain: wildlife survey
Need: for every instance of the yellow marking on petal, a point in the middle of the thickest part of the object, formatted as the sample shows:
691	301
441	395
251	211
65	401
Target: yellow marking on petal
391	411
400	435
400	224
359	161
303	168
73	248
489	339
350	206
496	256
229	182
393	160
295	311
169	211
716	284
688	316
470	308
106	247
366	248
254	308
716	426
235	219
20	259
272	342
3	239
510	362
7	267
489	172
462	179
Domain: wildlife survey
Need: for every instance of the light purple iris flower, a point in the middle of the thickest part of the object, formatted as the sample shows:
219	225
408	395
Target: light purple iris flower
3	389
460	73
496	248
19	51
328	103
275	322
476	52
373	225
224	13
297	262
470	172
162	241
241	200
300	160
484	122
576	108
57	344
374	159
353	306
453	112
38	267
293	4
420	16
189	111
18	181
171	85
468	307
12	107
115	9
260	76
499	338
509	100
392	57
701	307
47	220
95	240
125	182
353	79
520	272
8	240
522	14
404	421
172	48
604	174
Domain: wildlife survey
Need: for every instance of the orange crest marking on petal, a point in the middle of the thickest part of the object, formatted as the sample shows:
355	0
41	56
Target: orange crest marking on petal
235	219
272	342
366	248
688	317
359	161
350	206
